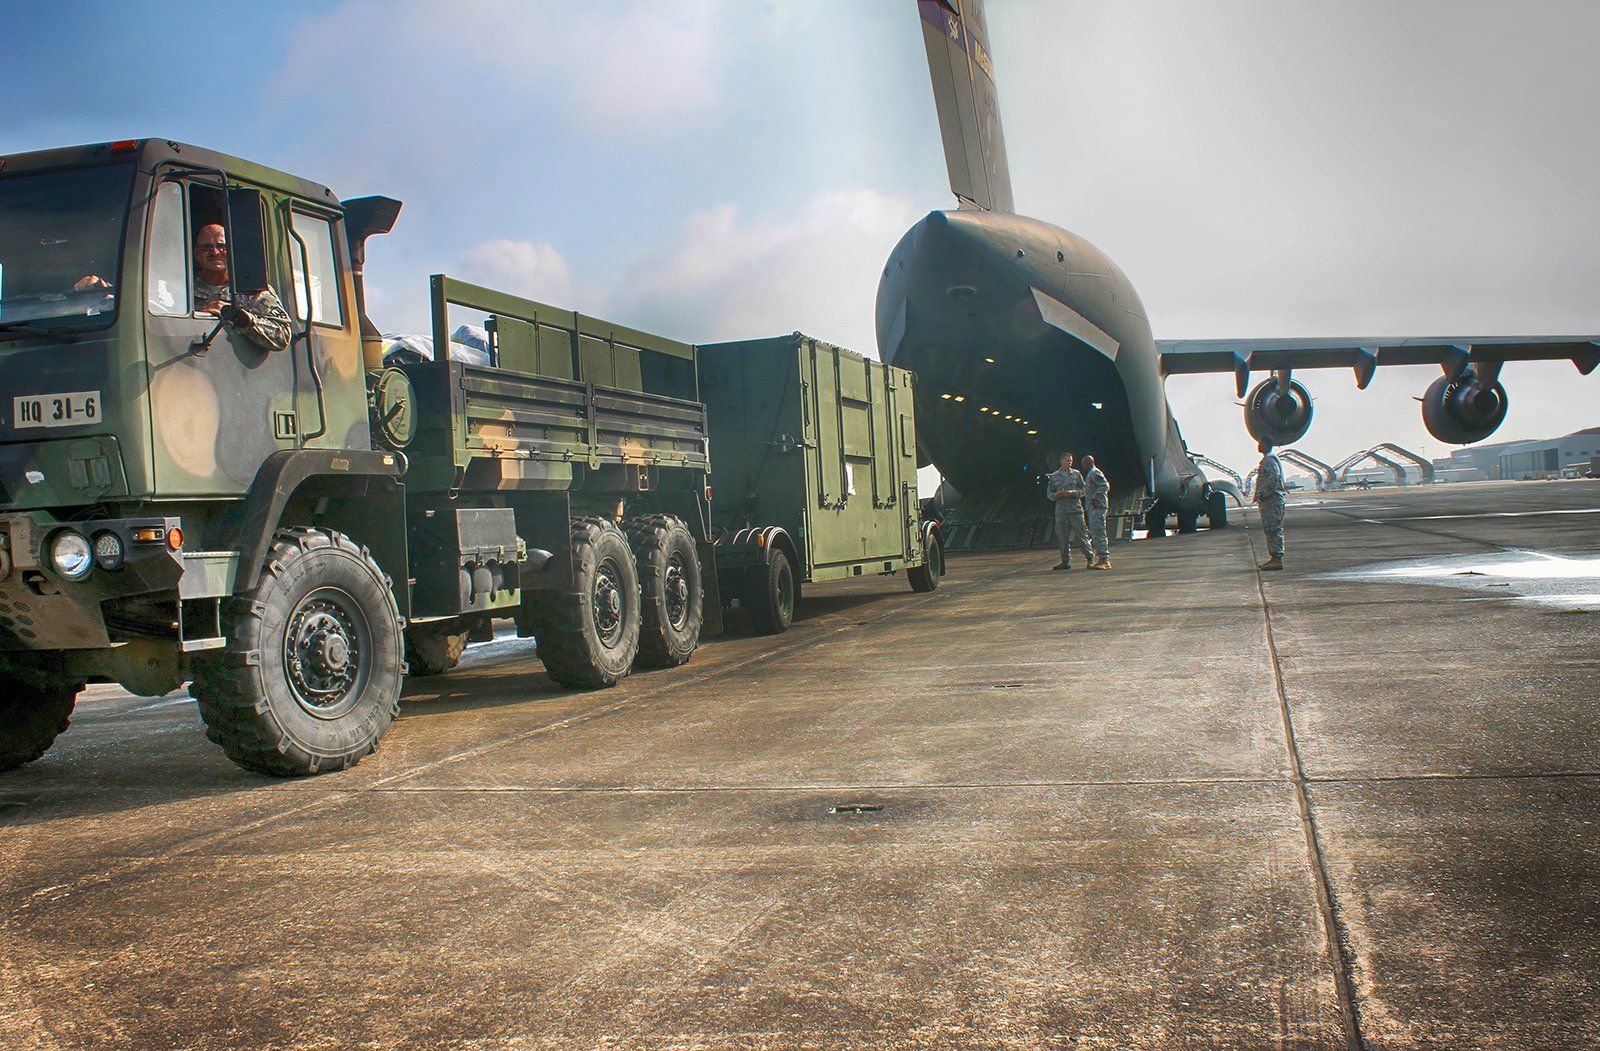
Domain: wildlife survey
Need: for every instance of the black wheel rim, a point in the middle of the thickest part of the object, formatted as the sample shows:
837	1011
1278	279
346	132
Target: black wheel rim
675	589
327	652
608	602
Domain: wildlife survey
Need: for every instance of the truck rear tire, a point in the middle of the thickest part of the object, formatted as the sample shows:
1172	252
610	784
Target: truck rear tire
925	577
589	639
433	652
671	594
310	678
770	595
31	718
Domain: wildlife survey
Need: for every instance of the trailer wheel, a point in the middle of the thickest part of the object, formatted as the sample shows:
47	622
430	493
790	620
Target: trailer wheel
31	718
770	595
432	651
670	589
310	678
1188	521
926	576
1217	510
590	638
1155	522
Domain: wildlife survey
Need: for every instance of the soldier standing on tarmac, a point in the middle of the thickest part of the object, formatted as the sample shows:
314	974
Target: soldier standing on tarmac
1065	489
1096	503
1269	497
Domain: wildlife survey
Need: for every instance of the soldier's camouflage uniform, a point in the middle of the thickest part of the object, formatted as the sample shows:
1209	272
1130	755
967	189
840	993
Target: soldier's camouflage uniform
1269	495
1066	491
1097	502
267	323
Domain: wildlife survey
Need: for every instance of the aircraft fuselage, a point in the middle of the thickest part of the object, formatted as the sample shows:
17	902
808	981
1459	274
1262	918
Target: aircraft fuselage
1027	342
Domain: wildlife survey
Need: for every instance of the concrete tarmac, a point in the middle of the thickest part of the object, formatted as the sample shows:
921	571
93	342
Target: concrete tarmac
1178	805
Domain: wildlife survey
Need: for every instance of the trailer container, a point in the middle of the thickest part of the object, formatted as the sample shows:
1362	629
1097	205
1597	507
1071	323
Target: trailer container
814	452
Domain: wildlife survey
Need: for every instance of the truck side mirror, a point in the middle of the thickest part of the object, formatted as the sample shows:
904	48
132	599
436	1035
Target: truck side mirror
247	238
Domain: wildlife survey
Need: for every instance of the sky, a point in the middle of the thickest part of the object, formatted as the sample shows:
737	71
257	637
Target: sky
719	169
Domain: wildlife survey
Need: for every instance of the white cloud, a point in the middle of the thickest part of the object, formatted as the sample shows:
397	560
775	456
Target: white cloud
732	277
534	271
446	78
654	63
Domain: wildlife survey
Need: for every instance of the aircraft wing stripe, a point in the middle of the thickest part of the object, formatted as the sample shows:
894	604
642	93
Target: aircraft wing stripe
1058	315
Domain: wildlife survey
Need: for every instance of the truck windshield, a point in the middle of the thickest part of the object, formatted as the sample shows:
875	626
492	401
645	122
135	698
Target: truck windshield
61	246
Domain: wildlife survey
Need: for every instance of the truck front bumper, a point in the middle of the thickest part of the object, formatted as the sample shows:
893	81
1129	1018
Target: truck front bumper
42	609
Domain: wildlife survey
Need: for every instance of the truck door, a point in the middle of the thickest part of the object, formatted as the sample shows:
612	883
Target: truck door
331	406
216	411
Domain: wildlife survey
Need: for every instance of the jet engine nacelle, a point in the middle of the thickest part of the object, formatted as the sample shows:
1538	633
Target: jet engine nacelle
1279	411
1464	410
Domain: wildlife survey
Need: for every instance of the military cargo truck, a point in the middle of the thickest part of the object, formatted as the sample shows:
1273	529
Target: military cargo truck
286	525
816	467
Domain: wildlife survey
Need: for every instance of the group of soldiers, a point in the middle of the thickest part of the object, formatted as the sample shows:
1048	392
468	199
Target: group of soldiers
1082	499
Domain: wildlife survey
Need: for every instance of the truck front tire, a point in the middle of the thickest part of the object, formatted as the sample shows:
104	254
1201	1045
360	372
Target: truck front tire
310	678
670	589
31	718
589	639
770	595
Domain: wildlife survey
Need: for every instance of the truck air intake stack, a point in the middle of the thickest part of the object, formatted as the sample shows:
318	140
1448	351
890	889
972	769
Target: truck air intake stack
364	217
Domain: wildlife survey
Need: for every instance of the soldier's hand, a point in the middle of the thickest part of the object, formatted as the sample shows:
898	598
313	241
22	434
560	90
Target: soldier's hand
236	316
91	281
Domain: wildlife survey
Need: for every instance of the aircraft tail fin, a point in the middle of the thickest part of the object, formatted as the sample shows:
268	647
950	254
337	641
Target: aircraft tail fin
957	40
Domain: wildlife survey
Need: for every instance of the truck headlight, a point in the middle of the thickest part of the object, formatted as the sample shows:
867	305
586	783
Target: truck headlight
71	555
108	551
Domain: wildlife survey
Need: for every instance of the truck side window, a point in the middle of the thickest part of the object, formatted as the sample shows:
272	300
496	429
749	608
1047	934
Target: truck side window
326	307
167	276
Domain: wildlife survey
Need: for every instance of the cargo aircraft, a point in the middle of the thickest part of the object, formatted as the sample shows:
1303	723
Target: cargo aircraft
1027	340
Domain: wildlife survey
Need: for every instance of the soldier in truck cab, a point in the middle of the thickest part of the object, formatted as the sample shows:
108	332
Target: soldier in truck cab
259	317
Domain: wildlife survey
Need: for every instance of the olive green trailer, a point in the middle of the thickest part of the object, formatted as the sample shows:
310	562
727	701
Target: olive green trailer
813	449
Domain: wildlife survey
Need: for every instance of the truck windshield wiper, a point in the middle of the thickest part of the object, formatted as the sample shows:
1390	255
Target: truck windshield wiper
61	335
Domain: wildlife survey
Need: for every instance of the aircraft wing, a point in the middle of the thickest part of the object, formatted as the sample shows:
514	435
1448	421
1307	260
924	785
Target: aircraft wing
1244	356
957	40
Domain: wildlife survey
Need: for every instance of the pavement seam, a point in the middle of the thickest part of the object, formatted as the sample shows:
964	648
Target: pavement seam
1397	524
930	786
1349	1016
1548	775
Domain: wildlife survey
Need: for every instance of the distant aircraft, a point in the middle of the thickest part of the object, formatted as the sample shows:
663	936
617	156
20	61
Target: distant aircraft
1027	340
